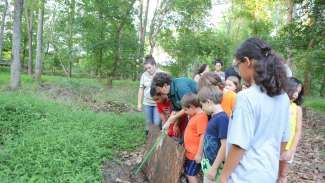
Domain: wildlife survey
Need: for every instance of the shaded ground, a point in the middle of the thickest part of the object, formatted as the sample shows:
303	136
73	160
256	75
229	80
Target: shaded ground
308	165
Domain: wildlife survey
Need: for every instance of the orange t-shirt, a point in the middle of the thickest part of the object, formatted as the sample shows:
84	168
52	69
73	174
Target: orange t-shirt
194	129
228	102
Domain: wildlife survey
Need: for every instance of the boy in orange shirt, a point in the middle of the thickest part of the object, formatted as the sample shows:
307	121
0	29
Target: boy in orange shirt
193	136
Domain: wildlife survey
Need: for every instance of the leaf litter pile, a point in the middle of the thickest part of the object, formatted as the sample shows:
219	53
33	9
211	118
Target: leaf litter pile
84	97
308	165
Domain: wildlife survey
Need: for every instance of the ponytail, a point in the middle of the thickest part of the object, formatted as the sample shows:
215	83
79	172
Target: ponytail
270	72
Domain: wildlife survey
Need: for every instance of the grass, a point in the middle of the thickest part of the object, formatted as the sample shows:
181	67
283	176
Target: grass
316	103
42	140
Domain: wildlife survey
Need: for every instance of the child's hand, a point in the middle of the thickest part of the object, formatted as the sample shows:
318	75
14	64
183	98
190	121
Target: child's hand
286	155
198	158
212	174
139	107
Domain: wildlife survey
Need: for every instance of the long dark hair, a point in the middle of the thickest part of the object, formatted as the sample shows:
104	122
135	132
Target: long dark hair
270	73
200	70
292	85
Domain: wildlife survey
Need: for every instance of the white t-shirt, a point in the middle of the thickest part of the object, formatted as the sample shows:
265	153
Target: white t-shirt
259	124
145	83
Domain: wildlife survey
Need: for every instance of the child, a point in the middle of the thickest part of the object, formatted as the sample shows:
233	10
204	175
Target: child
212	79
232	87
259	123
193	136
164	107
232	84
214	146
295	93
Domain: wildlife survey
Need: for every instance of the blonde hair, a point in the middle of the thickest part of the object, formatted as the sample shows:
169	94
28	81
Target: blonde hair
210	93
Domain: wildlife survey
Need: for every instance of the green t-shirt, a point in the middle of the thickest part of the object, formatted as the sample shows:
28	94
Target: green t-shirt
180	87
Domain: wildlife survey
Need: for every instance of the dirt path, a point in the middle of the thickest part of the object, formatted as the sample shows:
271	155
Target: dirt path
309	161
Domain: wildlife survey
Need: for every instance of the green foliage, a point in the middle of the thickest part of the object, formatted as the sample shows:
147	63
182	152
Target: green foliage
47	142
316	103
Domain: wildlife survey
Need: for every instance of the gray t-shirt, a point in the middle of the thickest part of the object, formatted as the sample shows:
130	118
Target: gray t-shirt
259	124
145	83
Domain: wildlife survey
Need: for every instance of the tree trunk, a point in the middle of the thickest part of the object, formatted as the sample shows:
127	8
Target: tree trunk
143	30
307	71
3	23
290	4
322	88
29	18
117	56
140	29
71	22
39	47
15	65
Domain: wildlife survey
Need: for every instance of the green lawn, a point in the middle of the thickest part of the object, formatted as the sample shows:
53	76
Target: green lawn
45	140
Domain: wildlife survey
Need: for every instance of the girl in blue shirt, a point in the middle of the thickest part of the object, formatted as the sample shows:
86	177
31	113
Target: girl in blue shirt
259	124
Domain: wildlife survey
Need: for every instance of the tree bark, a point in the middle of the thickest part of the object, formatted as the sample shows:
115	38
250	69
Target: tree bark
29	17
322	88
307	71
3	23
39	47
15	65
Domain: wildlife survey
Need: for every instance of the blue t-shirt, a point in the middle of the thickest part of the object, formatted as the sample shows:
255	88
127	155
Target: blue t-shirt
259	124
215	132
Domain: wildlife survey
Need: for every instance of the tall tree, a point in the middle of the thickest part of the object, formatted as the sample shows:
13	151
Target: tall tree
119	21
290	5
3	23
70	39
30	19
16	65
39	47
159	17
143	27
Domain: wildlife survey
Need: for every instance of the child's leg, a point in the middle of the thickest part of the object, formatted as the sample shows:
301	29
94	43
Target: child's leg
192	179
156	117
283	171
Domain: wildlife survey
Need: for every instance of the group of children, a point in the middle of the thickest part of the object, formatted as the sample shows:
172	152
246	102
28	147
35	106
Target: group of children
234	135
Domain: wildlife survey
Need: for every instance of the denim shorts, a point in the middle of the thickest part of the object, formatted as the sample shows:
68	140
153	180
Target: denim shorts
152	116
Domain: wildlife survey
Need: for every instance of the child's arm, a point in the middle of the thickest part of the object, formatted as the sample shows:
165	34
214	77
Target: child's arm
173	118
298	129
220	157
234	156
198	156
163	118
